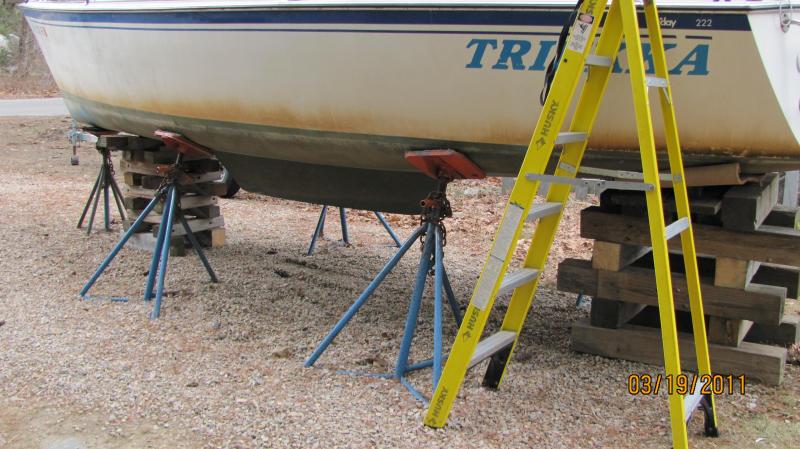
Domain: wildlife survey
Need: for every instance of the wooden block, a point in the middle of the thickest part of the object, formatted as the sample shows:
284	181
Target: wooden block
785	334
202	212
759	303
765	245
745	207
781	276
193	201
212	238
724	331
614	256
642	344
196	225
204	189
784	217
217	237
733	273
114	142
135	205
632	201
159	157
612	314
132	179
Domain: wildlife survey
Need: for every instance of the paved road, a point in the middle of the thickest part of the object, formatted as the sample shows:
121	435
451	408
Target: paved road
39	107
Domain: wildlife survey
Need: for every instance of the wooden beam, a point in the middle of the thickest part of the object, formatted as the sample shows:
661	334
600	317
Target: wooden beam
785	334
733	273
632	201
759	303
612	314
614	256
780	276
780	246
784	216
745	207
643	344
724	331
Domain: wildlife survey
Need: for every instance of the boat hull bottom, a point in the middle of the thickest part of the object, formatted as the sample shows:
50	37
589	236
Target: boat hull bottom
378	190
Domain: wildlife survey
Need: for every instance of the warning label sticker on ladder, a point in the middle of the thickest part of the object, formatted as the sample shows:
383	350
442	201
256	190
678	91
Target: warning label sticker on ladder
581	32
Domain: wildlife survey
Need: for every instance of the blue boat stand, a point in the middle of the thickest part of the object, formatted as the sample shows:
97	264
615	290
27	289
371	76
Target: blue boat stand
104	184
432	233
320	229
169	192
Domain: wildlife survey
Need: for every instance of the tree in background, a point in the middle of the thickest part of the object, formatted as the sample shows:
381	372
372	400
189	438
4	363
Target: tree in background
22	67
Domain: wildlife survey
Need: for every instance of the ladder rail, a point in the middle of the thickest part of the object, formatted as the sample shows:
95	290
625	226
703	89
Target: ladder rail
548	126
586	113
644	127
681	198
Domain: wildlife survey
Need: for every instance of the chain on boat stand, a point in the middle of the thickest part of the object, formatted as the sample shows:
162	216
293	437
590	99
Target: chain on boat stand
320	229
169	192
105	185
445	166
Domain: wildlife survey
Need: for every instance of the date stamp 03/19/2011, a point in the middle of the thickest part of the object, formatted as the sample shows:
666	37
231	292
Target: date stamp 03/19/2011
716	384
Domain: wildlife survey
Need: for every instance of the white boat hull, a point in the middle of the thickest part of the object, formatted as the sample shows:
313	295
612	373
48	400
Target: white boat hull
352	87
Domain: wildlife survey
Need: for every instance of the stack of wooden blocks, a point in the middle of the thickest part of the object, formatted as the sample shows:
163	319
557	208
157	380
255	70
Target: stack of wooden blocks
199	201
749	251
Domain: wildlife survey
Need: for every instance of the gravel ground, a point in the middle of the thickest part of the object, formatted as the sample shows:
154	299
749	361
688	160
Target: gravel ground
223	367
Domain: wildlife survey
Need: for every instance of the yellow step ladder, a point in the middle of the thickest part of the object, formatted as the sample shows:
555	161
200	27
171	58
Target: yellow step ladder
578	55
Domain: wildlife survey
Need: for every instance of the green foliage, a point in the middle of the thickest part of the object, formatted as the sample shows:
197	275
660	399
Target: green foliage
10	20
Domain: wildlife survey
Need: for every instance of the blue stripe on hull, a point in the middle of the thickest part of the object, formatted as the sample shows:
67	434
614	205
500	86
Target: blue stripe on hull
381	16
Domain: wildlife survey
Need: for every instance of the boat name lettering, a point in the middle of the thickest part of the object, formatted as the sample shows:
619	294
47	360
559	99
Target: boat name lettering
666	22
519	54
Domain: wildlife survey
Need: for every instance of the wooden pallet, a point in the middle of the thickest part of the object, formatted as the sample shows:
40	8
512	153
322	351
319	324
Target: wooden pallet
199	201
748	266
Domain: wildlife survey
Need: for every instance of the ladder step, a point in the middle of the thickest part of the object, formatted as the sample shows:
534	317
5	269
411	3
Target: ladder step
591	185
570	137
491	345
677	227
654	81
543	210
516	279
598	61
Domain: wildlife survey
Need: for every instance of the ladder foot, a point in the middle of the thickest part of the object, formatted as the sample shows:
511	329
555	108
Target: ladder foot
709	424
497	365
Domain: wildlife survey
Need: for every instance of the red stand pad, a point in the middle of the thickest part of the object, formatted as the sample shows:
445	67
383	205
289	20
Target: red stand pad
181	144
448	164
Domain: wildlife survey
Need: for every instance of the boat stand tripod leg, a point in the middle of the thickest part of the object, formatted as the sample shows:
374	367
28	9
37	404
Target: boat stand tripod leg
343	219
115	190
416	301
102	178
388	228
451	297
89	201
106	200
161	238
197	248
318	231
106	186
437	306
118	247
350	313
167	221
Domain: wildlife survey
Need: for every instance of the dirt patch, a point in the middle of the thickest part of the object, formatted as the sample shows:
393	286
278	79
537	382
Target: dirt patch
223	367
